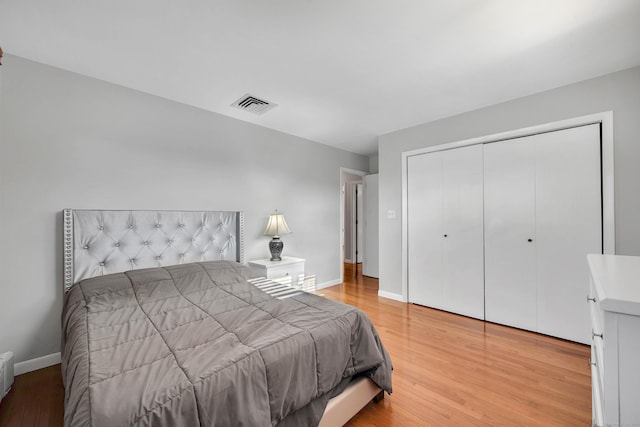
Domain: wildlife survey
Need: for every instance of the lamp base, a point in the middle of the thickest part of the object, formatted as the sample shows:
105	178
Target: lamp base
275	246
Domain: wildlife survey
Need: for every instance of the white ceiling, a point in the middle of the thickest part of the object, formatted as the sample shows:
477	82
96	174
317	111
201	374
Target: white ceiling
341	72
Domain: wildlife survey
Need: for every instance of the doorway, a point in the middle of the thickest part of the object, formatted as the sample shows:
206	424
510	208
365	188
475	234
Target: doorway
349	181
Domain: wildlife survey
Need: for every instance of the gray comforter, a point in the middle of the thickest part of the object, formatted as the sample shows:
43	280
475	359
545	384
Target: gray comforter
196	344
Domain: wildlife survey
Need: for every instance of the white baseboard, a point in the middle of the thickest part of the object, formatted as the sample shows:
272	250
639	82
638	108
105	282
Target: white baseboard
327	284
391	295
37	363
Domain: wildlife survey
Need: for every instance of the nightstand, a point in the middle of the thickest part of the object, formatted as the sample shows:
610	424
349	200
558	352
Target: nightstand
290	270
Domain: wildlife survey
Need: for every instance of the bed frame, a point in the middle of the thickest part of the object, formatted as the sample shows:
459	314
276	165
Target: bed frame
98	242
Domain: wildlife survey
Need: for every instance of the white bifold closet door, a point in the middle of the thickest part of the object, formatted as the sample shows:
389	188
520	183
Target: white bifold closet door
542	216
445	230
510	229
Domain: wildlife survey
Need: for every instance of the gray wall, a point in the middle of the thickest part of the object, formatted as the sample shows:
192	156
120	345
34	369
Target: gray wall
69	141
373	163
619	92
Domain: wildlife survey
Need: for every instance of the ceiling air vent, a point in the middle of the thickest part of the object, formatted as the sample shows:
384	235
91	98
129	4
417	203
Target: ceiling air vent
253	104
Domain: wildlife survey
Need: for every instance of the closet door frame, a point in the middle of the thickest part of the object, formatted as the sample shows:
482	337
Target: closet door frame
605	119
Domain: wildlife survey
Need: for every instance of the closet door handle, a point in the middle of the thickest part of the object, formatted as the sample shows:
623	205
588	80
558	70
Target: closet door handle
529	240
445	235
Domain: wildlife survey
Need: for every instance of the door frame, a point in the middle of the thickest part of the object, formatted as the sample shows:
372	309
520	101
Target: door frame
605	119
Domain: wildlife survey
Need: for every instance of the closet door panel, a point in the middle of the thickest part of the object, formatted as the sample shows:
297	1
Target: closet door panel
462	217
568	222
424	226
509	215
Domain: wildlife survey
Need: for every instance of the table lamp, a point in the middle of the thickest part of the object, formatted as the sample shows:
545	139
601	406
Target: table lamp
276	226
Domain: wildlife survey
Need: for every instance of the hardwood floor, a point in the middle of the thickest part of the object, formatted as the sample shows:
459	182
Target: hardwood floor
449	370
36	399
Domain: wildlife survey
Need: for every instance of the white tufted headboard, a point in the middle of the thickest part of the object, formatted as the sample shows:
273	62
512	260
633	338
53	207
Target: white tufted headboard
98	242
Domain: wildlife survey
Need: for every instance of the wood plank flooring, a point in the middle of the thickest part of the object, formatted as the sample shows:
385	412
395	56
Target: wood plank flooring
449	370
36	399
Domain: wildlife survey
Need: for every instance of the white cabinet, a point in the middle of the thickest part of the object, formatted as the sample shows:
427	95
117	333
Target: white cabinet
445	230
542	216
614	302
289	271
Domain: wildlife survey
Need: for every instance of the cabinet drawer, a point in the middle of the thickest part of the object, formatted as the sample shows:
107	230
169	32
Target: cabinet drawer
292	272
289	271
597	316
597	396
597	358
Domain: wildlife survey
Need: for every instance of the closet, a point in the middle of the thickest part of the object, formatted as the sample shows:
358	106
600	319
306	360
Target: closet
527	210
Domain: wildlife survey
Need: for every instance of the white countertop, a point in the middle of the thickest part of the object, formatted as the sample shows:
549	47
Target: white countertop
617	282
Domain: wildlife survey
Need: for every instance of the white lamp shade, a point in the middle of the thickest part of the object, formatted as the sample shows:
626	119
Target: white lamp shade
276	225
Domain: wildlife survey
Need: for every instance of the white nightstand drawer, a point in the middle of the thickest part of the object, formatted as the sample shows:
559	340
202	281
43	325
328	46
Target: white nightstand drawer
293	271
289	270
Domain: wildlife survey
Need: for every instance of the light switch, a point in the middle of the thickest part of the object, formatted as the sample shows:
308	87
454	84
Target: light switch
391	214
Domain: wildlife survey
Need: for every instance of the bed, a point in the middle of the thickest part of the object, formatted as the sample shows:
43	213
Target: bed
162	324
